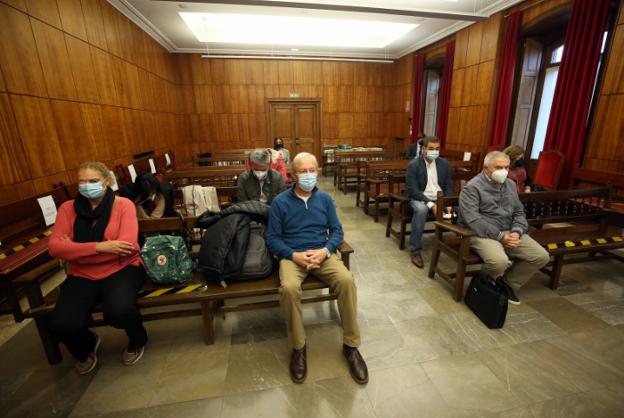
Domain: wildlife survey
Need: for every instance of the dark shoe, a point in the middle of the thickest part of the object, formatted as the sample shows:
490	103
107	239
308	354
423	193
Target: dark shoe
509	292
357	366
298	365
418	261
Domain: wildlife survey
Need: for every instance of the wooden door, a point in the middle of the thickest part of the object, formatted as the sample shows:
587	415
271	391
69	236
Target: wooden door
531	62
298	124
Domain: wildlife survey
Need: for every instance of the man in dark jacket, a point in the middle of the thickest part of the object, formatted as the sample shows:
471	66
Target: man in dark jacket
261	182
304	233
426	176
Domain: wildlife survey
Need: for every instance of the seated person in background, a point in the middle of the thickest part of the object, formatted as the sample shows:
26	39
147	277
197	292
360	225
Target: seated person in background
426	176
152	198
278	145
304	233
261	182
517	170
490	207
415	148
96	234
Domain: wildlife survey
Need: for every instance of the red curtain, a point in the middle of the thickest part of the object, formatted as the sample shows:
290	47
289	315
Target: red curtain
505	80
567	124
419	74
445	92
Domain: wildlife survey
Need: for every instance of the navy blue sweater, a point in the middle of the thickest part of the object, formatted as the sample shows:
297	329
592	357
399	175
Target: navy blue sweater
295	226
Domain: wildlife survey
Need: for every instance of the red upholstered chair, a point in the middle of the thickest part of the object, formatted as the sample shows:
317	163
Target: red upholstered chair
549	166
495	148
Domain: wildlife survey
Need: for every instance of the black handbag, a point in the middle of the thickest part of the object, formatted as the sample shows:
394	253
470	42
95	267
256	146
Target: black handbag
487	300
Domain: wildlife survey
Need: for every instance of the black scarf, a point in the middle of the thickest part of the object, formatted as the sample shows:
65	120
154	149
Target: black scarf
85	230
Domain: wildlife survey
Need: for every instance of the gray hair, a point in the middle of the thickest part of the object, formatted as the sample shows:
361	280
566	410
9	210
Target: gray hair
302	156
492	155
260	156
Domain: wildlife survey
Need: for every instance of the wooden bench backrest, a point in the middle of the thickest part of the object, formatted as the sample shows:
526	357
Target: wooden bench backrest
206	176
352	157
222	160
583	177
23	218
142	165
553	206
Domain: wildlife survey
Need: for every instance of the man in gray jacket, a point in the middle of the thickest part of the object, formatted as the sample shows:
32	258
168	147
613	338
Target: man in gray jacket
261	182
490	207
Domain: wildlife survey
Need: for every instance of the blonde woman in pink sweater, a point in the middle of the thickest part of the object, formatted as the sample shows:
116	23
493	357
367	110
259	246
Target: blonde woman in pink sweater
96	234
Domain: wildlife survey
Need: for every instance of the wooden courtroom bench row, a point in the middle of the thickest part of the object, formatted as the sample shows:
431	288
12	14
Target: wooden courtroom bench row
346	173
583	177
399	209
142	165
588	229
208	298
24	247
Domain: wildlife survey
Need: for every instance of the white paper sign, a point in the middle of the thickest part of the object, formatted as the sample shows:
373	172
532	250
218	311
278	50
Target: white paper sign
168	160
132	171
467	156
152	166
48	209
114	185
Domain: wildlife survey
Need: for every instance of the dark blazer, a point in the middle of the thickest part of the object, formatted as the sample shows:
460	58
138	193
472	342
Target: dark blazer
417	178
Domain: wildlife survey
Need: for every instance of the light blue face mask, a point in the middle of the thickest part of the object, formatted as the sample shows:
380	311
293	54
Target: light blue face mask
307	181
433	154
92	190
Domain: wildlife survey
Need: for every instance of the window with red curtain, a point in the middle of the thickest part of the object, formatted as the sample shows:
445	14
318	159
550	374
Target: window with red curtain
419	71
567	125
445	92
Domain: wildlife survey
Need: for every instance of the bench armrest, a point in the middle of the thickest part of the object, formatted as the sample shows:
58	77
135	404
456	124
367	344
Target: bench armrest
459	230
345	251
399	197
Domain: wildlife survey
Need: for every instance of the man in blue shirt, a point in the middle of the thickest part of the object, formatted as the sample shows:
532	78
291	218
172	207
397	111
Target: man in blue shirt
304	233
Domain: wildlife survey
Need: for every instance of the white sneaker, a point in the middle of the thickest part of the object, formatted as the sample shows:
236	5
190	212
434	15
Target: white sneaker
129	357
85	367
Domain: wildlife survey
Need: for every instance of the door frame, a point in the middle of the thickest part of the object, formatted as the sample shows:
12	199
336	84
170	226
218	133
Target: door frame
317	102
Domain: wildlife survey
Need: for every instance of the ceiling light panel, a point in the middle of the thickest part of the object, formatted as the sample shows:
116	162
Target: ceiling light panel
293	30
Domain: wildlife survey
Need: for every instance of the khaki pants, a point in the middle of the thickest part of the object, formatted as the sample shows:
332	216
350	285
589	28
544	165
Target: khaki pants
340	280
528	257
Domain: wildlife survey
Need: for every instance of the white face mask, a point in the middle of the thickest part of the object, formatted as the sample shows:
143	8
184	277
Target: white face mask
499	176
260	174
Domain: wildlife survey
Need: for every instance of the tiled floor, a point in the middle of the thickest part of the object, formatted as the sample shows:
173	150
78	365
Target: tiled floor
561	353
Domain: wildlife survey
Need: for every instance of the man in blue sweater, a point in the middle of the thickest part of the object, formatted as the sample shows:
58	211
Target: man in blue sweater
304	233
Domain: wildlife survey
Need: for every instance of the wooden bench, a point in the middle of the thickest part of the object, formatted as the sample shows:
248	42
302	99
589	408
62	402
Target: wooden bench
142	165
327	161
399	208
592	231
583	178
345	175
221	161
24	247
209	298
373	183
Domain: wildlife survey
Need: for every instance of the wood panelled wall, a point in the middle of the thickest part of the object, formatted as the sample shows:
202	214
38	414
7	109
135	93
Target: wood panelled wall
605	150
227	99
473	86
79	82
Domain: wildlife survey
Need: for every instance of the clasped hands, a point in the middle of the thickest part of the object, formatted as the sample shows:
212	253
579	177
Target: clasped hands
511	240
310	259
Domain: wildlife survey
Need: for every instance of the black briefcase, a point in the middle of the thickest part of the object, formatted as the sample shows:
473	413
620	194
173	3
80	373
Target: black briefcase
487	300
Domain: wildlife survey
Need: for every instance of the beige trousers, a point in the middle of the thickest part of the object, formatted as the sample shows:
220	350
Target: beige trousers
340	280
528	258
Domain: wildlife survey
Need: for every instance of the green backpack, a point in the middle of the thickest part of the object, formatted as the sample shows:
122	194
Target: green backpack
166	259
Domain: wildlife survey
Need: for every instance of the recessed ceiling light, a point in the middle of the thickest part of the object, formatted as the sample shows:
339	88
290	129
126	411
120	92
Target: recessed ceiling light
284	30
294	49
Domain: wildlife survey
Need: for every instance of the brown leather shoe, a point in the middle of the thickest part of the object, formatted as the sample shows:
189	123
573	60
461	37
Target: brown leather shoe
418	261
298	365
357	366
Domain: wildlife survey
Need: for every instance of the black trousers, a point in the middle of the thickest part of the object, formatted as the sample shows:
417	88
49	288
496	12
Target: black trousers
78	296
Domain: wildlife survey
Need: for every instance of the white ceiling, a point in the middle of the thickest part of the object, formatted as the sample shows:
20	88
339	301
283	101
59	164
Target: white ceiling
435	18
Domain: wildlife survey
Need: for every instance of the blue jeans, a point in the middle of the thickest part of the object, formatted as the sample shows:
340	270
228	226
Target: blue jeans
419	218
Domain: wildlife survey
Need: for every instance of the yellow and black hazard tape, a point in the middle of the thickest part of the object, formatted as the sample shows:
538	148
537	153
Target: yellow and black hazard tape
23	245
178	290
582	243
